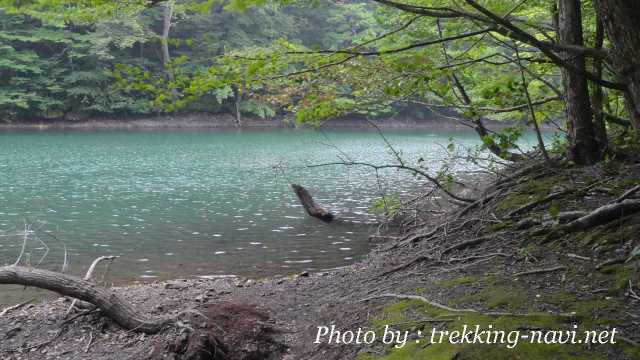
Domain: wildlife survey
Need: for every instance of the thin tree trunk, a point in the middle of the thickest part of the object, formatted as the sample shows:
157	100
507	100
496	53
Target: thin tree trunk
479	127
238	113
583	147
622	21
597	96
532	112
166	28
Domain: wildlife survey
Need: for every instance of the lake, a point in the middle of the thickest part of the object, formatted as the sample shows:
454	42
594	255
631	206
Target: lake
184	203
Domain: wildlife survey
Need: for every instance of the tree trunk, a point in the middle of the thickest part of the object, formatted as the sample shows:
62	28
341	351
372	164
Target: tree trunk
237	99
109	303
597	96
583	147
166	27
479	127
622	21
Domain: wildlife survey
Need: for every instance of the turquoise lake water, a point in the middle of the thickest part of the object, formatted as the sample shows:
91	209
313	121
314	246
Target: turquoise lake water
177	203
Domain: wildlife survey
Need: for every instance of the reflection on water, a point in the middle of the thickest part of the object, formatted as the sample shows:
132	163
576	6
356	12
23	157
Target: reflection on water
197	203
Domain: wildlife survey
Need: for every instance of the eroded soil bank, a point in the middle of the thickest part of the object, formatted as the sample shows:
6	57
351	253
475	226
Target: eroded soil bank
500	261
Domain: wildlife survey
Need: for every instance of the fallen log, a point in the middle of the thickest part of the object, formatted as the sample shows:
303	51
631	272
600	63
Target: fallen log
599	216
88	276
310	205
111	305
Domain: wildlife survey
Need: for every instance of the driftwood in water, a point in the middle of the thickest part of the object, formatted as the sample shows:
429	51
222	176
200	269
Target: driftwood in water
109	303
311	206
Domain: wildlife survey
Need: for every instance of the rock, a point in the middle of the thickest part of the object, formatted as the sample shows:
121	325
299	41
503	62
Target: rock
12	332
304	274
175	286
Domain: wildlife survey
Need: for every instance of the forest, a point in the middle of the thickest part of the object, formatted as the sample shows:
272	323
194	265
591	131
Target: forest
532	227
57	69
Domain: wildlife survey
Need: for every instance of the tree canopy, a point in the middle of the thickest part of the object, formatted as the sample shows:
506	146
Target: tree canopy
537	60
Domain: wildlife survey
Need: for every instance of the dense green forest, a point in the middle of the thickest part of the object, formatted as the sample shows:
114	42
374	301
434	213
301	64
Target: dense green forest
322	60
68	69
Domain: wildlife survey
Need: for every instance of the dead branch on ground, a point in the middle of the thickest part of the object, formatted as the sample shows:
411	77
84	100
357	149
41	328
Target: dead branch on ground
88	276
455	310
540	271
120	311
599	216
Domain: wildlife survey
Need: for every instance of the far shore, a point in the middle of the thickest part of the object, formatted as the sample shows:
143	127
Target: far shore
224	121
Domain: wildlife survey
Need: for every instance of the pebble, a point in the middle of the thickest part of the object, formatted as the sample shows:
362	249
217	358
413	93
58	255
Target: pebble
175	286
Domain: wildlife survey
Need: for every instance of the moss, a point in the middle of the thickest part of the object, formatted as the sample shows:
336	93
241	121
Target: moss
513	201
611	235
446	351
621	274
511	298
503	225
622	278
392	314
632	352
532	190
542	187
458	281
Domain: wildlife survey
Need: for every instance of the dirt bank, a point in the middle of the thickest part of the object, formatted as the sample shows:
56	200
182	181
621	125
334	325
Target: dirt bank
474	265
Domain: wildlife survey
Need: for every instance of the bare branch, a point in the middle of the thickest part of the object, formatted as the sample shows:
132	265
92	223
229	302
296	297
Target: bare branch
403	167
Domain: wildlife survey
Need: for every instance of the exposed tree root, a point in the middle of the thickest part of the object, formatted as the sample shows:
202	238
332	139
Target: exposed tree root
14	307
599	216
627	194
608	262
561	218
540	271
551	197
478	202
447	308
407	264
534	204
466	244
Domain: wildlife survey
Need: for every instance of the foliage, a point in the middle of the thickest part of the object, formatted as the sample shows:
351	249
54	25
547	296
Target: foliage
85	61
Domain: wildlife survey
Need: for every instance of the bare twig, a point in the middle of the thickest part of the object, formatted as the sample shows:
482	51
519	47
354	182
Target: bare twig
627	194
14	307
541	271
466	244
455	310
402	167
88	276
27	230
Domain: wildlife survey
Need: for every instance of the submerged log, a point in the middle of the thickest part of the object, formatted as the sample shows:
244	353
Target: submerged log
310	205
